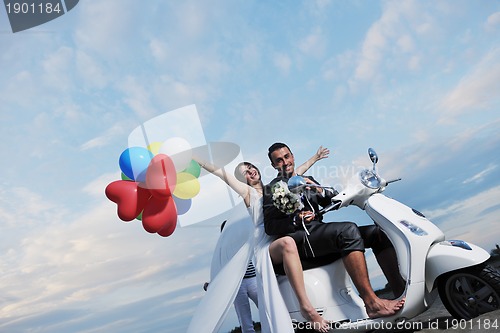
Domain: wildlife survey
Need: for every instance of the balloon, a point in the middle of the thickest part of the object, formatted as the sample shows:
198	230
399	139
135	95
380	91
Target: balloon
182	205
130	198
154	147
187	186
179	151
124	177
159	214
167	229
161	177
193	168
134	162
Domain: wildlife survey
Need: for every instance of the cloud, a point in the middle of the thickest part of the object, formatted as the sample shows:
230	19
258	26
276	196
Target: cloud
57	68
492	22
372	53
88	262
137	97
477	90
91	71
467	219
283	62
103	27
480	176
379	38
314	44
112	132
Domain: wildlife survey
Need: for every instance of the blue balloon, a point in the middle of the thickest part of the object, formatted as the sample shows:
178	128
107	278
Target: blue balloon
182	205
134	162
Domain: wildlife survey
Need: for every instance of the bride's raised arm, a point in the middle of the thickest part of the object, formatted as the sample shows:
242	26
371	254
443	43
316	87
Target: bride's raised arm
237	186
319	155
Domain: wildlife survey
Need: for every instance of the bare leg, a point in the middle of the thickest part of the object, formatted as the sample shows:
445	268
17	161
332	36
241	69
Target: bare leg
284	250
355	265
388	261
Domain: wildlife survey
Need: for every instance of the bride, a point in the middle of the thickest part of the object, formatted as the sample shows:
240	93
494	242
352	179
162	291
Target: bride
267	252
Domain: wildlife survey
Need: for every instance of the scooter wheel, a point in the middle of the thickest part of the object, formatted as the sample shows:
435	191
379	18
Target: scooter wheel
470	292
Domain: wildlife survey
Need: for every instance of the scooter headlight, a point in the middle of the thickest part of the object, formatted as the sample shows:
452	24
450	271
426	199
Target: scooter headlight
370	179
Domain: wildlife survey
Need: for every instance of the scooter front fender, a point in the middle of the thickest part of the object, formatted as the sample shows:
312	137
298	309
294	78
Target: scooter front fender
447	256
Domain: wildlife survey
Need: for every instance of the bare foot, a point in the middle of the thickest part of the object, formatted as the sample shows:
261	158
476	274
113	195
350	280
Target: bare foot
383	307
319	324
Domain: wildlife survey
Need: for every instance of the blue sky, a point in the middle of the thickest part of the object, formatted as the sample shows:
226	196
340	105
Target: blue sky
416	80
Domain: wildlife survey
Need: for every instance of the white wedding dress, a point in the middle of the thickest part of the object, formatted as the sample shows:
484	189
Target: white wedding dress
239	242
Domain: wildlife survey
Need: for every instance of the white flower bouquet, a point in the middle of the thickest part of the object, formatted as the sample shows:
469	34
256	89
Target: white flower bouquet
286	201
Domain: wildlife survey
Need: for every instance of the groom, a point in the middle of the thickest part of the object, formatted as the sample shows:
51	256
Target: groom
338	238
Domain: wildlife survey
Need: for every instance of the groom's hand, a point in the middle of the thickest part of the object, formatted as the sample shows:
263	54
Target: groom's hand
308	181
306	215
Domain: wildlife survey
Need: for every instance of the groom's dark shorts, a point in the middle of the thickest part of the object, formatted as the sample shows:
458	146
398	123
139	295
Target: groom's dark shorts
340	239
331	241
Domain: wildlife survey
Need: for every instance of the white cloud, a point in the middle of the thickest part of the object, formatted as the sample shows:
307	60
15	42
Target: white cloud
90	261
477	90
372	50
159	49
104	27
137	97
114	131
89	69
480	176
492	22
414	63
192	18
58	68
283	62
314	44
405	43
468	218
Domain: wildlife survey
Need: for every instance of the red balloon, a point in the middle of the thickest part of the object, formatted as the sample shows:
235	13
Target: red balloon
167	230
159	214
130	198
161	177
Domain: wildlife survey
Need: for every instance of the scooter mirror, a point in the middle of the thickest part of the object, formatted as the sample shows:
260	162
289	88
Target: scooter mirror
373	155
295	183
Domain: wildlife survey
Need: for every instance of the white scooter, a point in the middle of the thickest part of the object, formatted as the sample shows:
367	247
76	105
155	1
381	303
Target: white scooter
467	286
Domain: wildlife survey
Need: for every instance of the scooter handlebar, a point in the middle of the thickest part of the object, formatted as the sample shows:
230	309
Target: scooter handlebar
330	207
387	182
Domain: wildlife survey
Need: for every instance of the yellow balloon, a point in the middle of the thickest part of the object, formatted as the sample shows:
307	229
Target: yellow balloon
154	147
187	186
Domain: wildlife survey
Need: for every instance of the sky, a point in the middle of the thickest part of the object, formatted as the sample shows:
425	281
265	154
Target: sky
416	80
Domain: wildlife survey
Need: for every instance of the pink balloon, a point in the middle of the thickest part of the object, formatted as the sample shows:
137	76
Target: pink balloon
159	214
129	197
161	177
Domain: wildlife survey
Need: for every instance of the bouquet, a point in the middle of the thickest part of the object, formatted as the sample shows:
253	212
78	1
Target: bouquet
286	201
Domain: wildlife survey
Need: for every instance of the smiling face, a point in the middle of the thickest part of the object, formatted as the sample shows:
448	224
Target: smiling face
282	160
250	173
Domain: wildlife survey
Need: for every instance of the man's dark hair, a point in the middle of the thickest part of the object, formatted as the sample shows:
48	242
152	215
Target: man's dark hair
275	146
